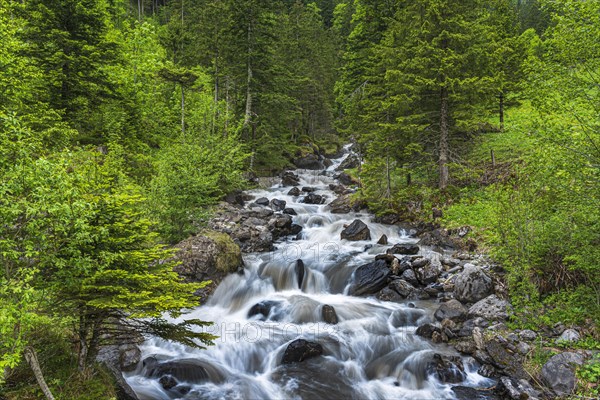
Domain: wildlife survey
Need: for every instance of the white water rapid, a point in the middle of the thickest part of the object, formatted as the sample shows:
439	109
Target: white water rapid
371	353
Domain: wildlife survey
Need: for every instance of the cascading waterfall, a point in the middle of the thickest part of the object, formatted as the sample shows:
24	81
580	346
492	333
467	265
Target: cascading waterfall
371	353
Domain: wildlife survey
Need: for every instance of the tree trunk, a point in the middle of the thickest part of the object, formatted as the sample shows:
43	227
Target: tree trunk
225	132
248	112
32	360
216	98
443	160
388	192
501	110
182	109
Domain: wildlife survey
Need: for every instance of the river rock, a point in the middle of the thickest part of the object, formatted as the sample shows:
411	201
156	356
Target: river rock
559	372
429	273
505	357
472	284
299	270
168	382
317	378
289	211
262	201
408	317
267	309
410	277
281	225
517	390
129	358
387	294
341	205
294	191
207	256
309	189
288	178
300	350
184	370
295	229
447	369
452	310
383	240
491	308
338	189
427	330
405	249
313	198
469	393
346	179
369	278
388	258
329	315
278	205
237	198
357	230
402	287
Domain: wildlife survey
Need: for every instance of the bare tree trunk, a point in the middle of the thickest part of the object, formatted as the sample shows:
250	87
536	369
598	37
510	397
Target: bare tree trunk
501	110
182	109
388	192
216	98
248	112
32	360
225	133
443	160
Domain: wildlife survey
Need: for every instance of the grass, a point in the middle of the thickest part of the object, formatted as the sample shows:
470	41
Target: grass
59	366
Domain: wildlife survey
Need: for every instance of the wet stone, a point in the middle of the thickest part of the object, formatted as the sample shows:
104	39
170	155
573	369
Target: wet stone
329	315
452	310
300	350
406	249
262	201
357	230
447	369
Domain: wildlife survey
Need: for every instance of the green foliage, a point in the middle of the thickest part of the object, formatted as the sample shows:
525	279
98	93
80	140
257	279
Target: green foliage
194	172
68	42
589	378
74	231
60	370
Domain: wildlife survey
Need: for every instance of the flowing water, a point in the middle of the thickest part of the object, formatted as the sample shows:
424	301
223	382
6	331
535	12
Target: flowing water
372	353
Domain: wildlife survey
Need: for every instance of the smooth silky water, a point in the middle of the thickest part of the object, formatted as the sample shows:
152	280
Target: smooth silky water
372	353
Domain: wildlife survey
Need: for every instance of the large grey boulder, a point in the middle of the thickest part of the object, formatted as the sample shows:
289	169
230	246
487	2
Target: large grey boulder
300	350
446	369
357	230
472	284
569	335
342	205
491	308
452	310
370	278
559	372
209	256
430	272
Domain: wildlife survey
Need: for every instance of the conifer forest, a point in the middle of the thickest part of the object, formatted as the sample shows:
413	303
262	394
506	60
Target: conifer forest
294	199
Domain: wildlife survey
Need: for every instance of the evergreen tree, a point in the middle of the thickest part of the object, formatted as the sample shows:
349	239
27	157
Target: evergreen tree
435	66
68	41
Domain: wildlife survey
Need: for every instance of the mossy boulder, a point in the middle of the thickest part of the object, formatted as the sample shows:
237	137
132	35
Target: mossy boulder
208	256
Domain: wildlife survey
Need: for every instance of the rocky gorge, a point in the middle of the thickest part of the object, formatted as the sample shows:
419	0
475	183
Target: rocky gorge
313	297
